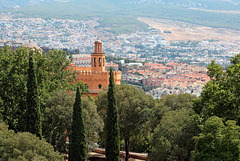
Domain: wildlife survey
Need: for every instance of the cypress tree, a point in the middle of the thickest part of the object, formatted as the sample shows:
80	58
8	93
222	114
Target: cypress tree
78	145
111	126
33	111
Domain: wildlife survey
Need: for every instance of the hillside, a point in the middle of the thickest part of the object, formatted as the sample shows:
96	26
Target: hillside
121	16
201	4
7	4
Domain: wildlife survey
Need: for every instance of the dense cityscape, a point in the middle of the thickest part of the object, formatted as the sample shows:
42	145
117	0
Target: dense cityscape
164	67
142	46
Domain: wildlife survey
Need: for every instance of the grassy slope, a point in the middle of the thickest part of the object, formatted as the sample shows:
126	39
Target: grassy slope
210	4
122	18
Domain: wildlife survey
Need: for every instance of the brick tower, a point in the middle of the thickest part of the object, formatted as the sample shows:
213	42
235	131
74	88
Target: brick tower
98	58
96	78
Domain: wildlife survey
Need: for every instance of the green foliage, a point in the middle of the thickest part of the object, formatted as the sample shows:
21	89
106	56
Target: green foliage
13	81
134	109
137	73
120	24
51	74
217	141
93	122
33	113
220	96
24	146
58	119
177	101
111	125
172	138
134	116
147	88
78	144
170	103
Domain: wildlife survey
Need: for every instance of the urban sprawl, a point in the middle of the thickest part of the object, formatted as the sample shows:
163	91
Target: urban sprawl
146	59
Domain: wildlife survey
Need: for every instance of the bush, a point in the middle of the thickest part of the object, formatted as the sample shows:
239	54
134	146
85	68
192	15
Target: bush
24	146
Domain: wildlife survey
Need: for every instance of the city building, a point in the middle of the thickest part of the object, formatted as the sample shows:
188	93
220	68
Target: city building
96	77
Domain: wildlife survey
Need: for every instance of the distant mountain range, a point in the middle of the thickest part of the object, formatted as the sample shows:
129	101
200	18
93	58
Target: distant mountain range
7	4
201	4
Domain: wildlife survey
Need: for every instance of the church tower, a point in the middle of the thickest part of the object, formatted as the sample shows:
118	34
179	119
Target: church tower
96	78
98	58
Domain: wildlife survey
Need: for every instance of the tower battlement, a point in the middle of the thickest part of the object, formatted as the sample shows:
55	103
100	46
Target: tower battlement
97	78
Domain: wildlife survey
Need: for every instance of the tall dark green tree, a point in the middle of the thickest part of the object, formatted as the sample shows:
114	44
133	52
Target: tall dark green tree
111	126
33	111
134	110
52	74
78	145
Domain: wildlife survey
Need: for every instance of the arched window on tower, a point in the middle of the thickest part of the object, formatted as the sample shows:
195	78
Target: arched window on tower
95	61
100	86
100	61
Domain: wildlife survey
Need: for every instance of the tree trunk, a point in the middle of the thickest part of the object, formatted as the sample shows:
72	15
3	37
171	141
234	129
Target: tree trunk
126	148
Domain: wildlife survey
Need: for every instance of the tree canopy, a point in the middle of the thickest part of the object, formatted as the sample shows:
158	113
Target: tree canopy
51	74
170	103
58	120
24	146
172	138
221	95
217	141
218	112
